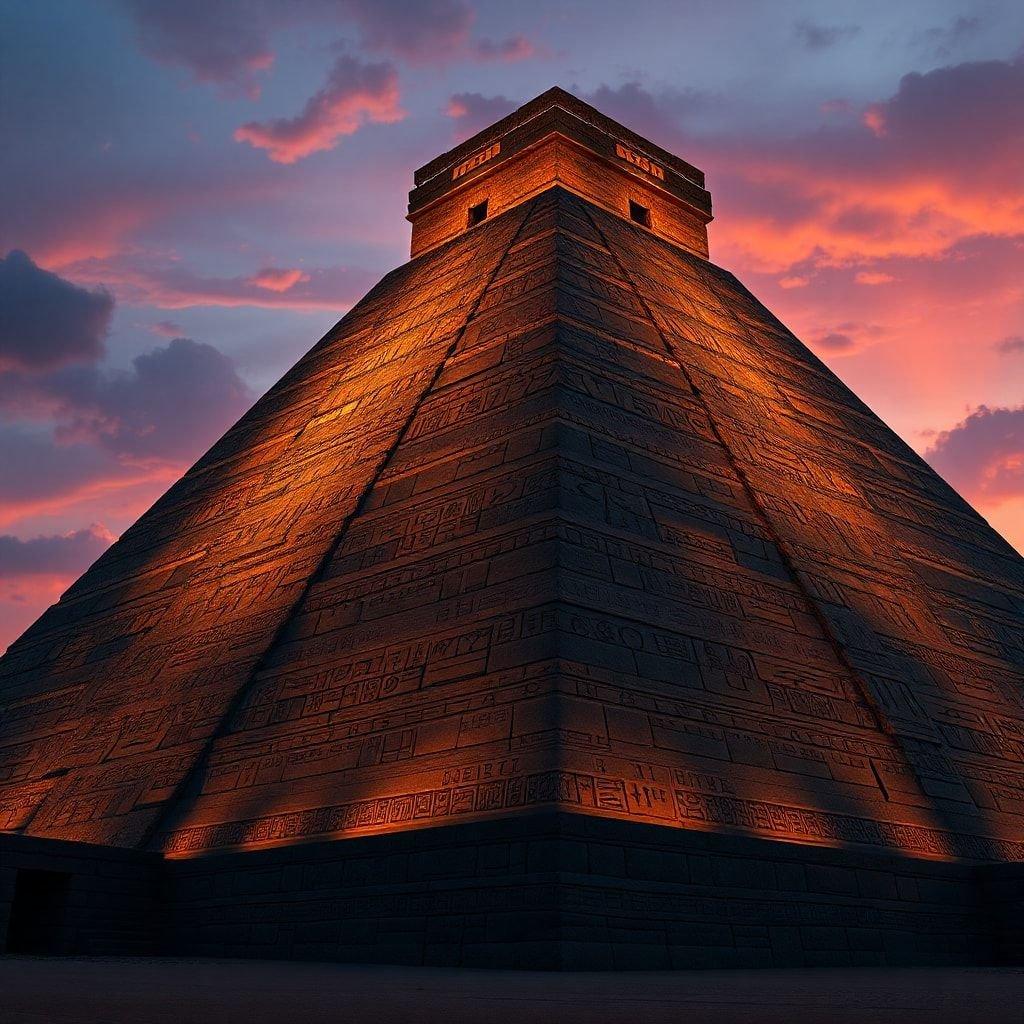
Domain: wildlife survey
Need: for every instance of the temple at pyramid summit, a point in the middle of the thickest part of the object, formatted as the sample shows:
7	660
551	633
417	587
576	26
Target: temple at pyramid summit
558	609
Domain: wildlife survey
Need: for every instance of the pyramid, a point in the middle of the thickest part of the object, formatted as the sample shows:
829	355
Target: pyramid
558	608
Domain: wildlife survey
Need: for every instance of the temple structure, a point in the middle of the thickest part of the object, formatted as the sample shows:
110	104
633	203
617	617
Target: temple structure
558	609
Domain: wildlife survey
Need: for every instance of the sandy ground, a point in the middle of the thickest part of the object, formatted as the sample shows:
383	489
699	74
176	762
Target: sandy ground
111	991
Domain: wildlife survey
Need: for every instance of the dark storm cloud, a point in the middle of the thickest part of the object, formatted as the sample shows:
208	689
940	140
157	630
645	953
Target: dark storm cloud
983	455
46	321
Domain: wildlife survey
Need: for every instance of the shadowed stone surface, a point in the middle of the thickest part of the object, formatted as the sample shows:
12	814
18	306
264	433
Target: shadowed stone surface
93	991
561	541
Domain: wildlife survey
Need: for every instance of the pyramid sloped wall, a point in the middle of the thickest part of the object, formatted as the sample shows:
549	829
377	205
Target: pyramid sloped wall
622	546
920	599
112	696
569	587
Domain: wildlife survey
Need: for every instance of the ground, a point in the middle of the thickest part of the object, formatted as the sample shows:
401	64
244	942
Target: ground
80	990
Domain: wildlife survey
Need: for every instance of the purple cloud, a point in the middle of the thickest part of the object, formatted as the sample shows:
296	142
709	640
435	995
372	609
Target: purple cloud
414	29
218	42
658	116
172	403
983	455
34	471
65	554
231	42
47	320
962	121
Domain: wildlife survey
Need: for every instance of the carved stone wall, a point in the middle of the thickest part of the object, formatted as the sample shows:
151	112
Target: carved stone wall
558	519
616	543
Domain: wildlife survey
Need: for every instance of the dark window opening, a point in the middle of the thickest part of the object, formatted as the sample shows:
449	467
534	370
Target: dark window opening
38	913
641	214
477	213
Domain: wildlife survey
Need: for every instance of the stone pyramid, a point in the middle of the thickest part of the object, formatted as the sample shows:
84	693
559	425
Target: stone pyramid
558	608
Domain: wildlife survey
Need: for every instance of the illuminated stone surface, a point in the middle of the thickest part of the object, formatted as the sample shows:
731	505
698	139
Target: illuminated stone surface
558	526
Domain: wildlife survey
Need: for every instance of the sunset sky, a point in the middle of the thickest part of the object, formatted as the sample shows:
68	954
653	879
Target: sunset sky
193	192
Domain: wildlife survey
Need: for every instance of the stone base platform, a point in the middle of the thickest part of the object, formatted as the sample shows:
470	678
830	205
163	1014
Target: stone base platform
545	892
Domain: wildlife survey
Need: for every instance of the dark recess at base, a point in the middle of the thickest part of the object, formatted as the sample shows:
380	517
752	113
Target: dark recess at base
552	891
38	912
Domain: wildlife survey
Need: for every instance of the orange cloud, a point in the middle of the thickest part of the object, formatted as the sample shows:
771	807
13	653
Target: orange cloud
935	163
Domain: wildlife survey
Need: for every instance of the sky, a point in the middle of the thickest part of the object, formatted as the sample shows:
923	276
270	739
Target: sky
193	192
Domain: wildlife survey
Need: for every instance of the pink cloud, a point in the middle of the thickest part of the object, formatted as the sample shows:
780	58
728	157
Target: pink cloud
355	94
169	284
109	208
874	119
274	279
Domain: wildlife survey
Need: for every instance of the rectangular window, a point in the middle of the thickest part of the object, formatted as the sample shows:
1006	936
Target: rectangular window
477	213
641	214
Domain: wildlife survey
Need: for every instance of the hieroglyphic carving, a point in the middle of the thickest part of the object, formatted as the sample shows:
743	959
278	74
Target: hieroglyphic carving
635	553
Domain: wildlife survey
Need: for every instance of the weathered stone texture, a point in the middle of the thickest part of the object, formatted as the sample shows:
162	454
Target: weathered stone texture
559	519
